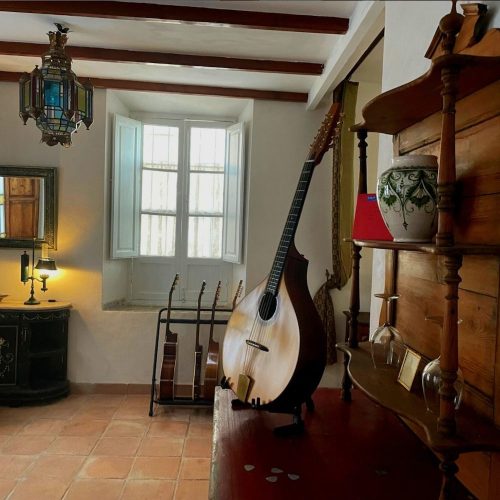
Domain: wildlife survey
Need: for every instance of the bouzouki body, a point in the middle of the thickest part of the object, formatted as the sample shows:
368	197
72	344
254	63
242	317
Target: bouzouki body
167	374
274	351
287	374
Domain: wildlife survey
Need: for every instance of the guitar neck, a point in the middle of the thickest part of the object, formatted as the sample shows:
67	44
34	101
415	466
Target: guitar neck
290	229
169	309
212	318
198	313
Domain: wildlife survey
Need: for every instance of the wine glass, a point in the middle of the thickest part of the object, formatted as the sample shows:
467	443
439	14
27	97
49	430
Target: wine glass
431	378
386	344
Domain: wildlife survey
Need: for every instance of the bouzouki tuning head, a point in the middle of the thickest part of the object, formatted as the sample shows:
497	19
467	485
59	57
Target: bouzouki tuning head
328	129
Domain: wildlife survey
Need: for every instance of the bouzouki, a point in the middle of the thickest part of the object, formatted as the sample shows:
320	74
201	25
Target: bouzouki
274	350
198	350
167	375
212	366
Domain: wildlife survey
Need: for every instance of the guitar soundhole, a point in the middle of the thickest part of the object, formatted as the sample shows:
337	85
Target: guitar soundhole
267	306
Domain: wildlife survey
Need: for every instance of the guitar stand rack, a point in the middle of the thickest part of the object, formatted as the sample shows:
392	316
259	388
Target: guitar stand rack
179	401
296	428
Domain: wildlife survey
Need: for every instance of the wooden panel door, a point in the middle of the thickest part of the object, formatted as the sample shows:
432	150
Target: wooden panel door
22	201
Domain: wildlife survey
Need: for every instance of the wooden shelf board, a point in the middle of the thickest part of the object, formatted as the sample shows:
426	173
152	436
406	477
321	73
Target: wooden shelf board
474	433
430	247
399	108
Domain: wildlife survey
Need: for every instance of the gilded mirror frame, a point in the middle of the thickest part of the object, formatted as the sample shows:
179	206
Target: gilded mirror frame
49	176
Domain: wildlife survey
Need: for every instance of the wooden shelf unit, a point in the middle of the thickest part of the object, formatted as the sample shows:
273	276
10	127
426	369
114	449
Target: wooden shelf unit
474	433
427	105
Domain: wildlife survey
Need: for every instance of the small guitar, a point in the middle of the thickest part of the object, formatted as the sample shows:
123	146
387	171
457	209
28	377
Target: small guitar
198	349
212	366
238	293
167	375
274	350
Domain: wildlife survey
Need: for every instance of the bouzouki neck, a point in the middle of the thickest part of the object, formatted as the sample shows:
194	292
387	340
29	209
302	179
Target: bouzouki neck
321	144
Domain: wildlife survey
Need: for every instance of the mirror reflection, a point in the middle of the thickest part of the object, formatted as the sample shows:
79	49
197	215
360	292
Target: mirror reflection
28	207
22	207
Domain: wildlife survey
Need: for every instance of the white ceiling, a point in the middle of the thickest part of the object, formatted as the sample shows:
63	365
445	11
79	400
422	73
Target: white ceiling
141	35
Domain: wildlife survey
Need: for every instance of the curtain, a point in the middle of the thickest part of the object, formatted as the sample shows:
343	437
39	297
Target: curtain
342	213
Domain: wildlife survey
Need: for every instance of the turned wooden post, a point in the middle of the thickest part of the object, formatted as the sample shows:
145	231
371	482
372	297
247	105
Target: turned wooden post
449	347
354	303
450	25
362	145
449	483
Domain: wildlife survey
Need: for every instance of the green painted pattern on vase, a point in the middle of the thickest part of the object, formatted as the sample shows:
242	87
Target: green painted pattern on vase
407	198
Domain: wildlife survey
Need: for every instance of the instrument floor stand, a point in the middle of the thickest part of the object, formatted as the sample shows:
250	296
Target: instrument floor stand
201	403
294	429
187	402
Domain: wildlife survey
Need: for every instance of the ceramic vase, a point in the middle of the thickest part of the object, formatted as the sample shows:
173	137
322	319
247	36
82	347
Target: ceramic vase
407	197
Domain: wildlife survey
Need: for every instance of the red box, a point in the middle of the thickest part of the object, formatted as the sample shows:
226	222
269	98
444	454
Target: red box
368	222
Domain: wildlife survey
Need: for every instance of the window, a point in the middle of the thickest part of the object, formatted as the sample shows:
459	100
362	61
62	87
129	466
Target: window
186	200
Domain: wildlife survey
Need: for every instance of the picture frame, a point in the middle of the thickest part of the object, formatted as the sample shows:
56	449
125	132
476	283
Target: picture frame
409	368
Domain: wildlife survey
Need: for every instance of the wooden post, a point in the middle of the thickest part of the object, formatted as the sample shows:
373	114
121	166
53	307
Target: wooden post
362	145
450	25
449	347
449	469
354	303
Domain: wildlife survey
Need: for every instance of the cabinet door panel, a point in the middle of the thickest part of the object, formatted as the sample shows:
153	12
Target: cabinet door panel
8	355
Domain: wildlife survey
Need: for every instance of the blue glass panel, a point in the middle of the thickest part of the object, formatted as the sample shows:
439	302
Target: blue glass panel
51	93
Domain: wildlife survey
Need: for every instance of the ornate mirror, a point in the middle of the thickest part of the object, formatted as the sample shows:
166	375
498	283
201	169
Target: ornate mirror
28	206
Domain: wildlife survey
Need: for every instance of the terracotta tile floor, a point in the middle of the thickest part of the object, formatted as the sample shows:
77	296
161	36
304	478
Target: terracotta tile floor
100	447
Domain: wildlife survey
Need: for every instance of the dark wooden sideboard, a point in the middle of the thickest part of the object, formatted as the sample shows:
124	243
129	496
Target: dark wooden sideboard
33	352
348	451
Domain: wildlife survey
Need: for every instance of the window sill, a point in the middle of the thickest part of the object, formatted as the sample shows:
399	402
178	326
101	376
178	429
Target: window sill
123	306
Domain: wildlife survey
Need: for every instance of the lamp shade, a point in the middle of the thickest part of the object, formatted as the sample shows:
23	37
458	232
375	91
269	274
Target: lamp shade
46	266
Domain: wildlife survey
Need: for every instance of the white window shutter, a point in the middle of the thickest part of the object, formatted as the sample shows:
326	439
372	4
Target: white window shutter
232	232
125	215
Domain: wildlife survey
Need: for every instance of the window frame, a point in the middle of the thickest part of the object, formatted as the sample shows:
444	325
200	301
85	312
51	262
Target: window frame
181	232
180	261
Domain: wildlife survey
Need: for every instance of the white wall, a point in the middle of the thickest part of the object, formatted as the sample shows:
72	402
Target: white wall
117	346
409	28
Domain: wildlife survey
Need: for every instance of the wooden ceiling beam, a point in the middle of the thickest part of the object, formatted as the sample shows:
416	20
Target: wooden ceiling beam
161	58
183	14
177	88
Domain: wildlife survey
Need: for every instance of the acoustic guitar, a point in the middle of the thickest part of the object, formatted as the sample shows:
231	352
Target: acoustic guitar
198	350
238	293
167	375
274	350
212	365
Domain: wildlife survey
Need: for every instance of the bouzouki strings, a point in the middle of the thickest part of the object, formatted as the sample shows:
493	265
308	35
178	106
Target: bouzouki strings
260	330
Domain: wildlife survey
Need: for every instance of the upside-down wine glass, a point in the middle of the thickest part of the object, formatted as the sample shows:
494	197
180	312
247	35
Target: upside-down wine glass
386	344
431	378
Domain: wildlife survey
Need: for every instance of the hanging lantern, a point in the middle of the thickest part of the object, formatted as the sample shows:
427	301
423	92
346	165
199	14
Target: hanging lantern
53	96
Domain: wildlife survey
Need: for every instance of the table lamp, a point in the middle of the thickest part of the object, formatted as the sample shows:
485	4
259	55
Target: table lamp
46	267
